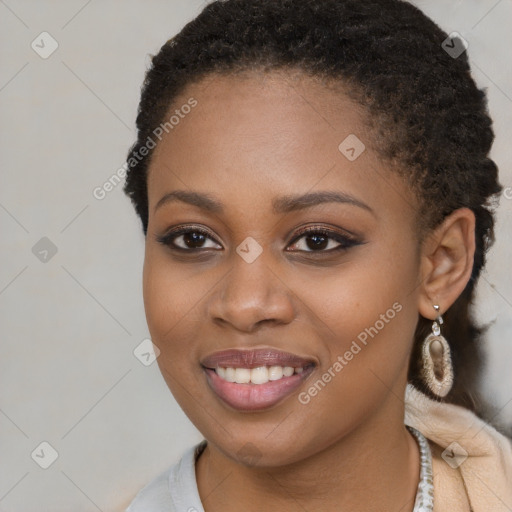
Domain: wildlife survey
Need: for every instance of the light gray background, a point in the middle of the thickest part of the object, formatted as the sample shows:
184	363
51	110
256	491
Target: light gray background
68	374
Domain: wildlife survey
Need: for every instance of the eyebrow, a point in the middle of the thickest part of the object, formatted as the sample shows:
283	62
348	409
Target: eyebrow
283	204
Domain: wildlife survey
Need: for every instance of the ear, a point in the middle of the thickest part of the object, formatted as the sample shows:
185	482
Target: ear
447	257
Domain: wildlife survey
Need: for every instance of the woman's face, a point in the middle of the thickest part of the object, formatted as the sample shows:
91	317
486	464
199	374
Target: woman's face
340	308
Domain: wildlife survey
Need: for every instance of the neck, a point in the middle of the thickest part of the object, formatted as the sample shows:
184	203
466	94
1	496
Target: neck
373	468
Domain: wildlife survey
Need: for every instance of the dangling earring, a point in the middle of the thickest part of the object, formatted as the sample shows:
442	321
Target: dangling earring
437	364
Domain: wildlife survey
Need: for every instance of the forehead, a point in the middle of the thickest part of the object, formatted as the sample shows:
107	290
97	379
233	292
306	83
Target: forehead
253	136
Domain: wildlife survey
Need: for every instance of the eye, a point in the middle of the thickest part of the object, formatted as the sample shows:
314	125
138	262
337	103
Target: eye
316	239
320	239
187	238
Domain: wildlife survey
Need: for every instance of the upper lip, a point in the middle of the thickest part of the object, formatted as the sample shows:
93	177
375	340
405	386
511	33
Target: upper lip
252	358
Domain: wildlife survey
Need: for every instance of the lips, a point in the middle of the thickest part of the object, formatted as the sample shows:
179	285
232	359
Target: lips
249	396
253	358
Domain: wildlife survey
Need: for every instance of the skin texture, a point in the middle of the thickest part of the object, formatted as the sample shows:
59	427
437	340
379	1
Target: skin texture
250	139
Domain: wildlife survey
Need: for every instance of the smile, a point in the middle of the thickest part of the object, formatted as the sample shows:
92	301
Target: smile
251	380
259	375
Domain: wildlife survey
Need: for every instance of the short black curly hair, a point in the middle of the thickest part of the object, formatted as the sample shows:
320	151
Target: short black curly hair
430	120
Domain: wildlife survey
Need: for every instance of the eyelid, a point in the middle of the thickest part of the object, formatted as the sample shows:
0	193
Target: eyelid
332	232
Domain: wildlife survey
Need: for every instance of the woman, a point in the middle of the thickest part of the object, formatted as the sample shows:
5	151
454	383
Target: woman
314	186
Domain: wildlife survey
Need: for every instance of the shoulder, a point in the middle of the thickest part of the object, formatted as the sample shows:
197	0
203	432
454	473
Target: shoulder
472	461
172	489
154	497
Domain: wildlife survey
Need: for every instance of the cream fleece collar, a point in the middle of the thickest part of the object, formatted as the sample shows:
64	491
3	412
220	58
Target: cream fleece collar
472	461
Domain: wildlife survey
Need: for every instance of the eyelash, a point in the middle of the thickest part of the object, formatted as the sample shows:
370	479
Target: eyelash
345	241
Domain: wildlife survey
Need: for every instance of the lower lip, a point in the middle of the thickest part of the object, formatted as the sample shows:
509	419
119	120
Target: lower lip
254	397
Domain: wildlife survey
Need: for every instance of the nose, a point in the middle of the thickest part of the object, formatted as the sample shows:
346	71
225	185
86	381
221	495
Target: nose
249	295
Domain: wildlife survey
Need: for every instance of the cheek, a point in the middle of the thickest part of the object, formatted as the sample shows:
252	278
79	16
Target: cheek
169	299
353	296
170	296
366	313
170	292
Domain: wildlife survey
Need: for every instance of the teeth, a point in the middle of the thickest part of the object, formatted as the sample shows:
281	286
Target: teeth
288	371
275	372
230	374
259	375
242	375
